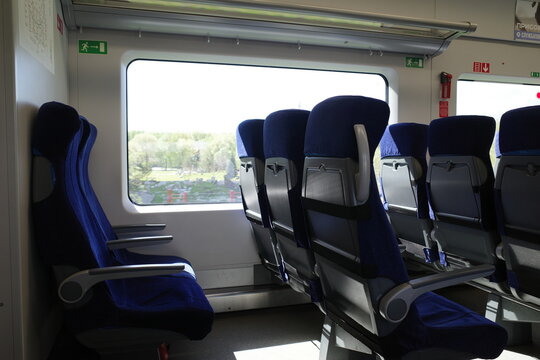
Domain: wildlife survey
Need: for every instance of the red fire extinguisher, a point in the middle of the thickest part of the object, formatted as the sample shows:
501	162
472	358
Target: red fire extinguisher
446	85
446	93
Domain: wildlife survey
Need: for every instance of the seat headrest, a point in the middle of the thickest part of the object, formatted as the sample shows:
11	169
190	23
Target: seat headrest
519	132
284	133
55	126
249	139
465	135
405	139
330	129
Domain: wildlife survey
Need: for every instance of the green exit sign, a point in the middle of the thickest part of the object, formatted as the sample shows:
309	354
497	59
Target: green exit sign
92	47
535	74
414	62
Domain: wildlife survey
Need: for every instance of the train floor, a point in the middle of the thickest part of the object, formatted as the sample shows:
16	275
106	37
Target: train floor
293	333
285	333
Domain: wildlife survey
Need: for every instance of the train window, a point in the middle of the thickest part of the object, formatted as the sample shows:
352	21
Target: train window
182	118
494	99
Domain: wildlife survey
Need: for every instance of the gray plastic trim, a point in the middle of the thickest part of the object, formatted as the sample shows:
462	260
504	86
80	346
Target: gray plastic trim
138	242
134	228
74	287
477	169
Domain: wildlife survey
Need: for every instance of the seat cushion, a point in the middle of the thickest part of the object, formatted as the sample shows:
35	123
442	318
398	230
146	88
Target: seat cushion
174	302
441	323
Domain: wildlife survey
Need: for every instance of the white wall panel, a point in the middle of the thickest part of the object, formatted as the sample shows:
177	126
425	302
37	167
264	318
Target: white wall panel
211	239
36	307
7	344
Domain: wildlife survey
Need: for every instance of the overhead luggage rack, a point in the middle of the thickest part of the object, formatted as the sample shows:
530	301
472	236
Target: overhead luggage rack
269	22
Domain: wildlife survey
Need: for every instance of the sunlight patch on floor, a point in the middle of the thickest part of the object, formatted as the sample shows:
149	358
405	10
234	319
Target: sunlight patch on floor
511	355
307	350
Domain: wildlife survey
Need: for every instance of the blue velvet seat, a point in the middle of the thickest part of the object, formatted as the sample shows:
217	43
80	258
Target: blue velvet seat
358	259
148	299
249	142
284	133
460	184
403	182
517	190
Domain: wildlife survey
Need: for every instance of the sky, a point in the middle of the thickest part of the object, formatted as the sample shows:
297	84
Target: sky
494	99
166	96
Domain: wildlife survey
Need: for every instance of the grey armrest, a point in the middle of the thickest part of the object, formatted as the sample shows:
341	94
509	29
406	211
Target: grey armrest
74	287
395	304
138	242
362	178
126	229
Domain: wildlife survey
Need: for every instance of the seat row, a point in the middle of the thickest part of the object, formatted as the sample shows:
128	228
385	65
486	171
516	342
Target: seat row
310	194
113	298
453	210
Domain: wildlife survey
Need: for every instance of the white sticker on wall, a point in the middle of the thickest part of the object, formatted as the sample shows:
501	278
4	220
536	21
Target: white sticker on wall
36	30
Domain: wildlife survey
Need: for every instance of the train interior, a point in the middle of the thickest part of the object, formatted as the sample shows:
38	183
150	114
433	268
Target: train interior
269	179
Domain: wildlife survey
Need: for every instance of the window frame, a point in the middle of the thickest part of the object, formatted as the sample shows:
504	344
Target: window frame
384	72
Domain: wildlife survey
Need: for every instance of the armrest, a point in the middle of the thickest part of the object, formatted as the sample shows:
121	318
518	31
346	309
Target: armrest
395	304
74	287
138	242
362	178
126	229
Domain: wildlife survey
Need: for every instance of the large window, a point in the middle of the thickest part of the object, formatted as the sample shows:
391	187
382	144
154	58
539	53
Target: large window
494	99
182	119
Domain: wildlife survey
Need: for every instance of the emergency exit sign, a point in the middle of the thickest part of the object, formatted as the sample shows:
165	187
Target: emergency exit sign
414	62
535	74
92	47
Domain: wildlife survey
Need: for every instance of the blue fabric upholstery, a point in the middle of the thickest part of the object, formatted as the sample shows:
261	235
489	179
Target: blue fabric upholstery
432	322
284	133
404	139
409	139
441	323
464	135
249	138
520	132
348	110
68	234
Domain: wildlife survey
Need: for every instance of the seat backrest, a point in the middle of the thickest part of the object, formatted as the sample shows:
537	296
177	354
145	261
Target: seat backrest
460	184
356	251
88	138
517	190
284	133
403	182
249	141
